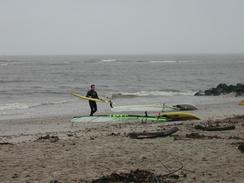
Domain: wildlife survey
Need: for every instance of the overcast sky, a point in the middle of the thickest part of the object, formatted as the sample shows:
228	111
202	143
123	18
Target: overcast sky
121	26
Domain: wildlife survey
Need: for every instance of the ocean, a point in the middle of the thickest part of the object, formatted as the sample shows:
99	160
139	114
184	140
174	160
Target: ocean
35	86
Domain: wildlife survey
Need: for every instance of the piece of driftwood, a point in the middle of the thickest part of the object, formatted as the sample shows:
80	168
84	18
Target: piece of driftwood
215	128
144	135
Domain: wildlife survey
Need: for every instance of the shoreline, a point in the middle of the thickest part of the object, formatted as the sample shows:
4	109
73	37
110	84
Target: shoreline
61	123
19	130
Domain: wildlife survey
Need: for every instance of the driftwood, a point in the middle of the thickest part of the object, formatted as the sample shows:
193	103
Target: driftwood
215	128
144	135
137	176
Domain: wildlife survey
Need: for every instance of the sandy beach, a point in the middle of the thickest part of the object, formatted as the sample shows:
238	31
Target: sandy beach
165	77
50	149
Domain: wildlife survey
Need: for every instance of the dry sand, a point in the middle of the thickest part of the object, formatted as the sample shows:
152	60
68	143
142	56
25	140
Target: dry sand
89	151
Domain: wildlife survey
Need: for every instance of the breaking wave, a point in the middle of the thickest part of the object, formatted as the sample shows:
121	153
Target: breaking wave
13	106
153	93
20	106
169	61
108	60
163	61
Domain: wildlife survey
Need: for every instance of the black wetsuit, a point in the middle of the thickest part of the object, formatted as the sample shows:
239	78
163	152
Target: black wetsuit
93	105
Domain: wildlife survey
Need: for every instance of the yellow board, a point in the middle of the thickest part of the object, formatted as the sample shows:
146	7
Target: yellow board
242	102
89	98
180	115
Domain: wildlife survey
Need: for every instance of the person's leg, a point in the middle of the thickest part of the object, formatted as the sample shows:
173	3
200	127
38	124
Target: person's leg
93	107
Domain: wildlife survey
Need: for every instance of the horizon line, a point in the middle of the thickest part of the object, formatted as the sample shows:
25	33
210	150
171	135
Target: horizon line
120	54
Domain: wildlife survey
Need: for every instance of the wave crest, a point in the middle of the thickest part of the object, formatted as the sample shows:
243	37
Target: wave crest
13	106
108	60
20	106
166	93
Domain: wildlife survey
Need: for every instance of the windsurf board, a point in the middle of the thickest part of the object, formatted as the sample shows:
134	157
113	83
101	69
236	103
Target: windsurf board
89	98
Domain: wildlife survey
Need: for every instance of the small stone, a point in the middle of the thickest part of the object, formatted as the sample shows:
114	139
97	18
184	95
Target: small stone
204	159
15	176
241	148
54	181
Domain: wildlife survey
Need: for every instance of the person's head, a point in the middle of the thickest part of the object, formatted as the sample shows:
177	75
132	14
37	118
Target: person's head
92	87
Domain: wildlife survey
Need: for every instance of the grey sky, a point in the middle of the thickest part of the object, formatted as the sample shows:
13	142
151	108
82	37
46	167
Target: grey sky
121	26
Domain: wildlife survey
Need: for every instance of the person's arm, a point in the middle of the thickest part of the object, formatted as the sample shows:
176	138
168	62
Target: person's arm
88	94
96	95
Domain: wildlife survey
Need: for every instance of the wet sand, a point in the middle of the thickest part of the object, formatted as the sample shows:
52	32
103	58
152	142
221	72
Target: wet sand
89	151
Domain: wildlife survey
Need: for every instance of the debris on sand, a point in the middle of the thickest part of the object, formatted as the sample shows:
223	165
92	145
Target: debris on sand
144	135
215	127
55	181
51	138
241	147
6	143
199	136
137	176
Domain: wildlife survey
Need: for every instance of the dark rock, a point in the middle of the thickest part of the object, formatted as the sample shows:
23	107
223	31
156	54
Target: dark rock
223	89
241	147
199	93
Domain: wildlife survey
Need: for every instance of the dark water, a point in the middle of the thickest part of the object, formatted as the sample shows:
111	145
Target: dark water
33	86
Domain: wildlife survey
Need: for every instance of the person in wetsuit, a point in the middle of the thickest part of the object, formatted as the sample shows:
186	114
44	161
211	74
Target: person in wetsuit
93	94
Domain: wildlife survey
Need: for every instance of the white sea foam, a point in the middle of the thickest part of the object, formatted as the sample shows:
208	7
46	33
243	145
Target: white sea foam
4	64
20	106
108	60
13	106
169	61
153	93
163	61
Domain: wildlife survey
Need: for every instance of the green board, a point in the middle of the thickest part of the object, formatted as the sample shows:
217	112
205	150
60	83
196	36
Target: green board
119	118
163	117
